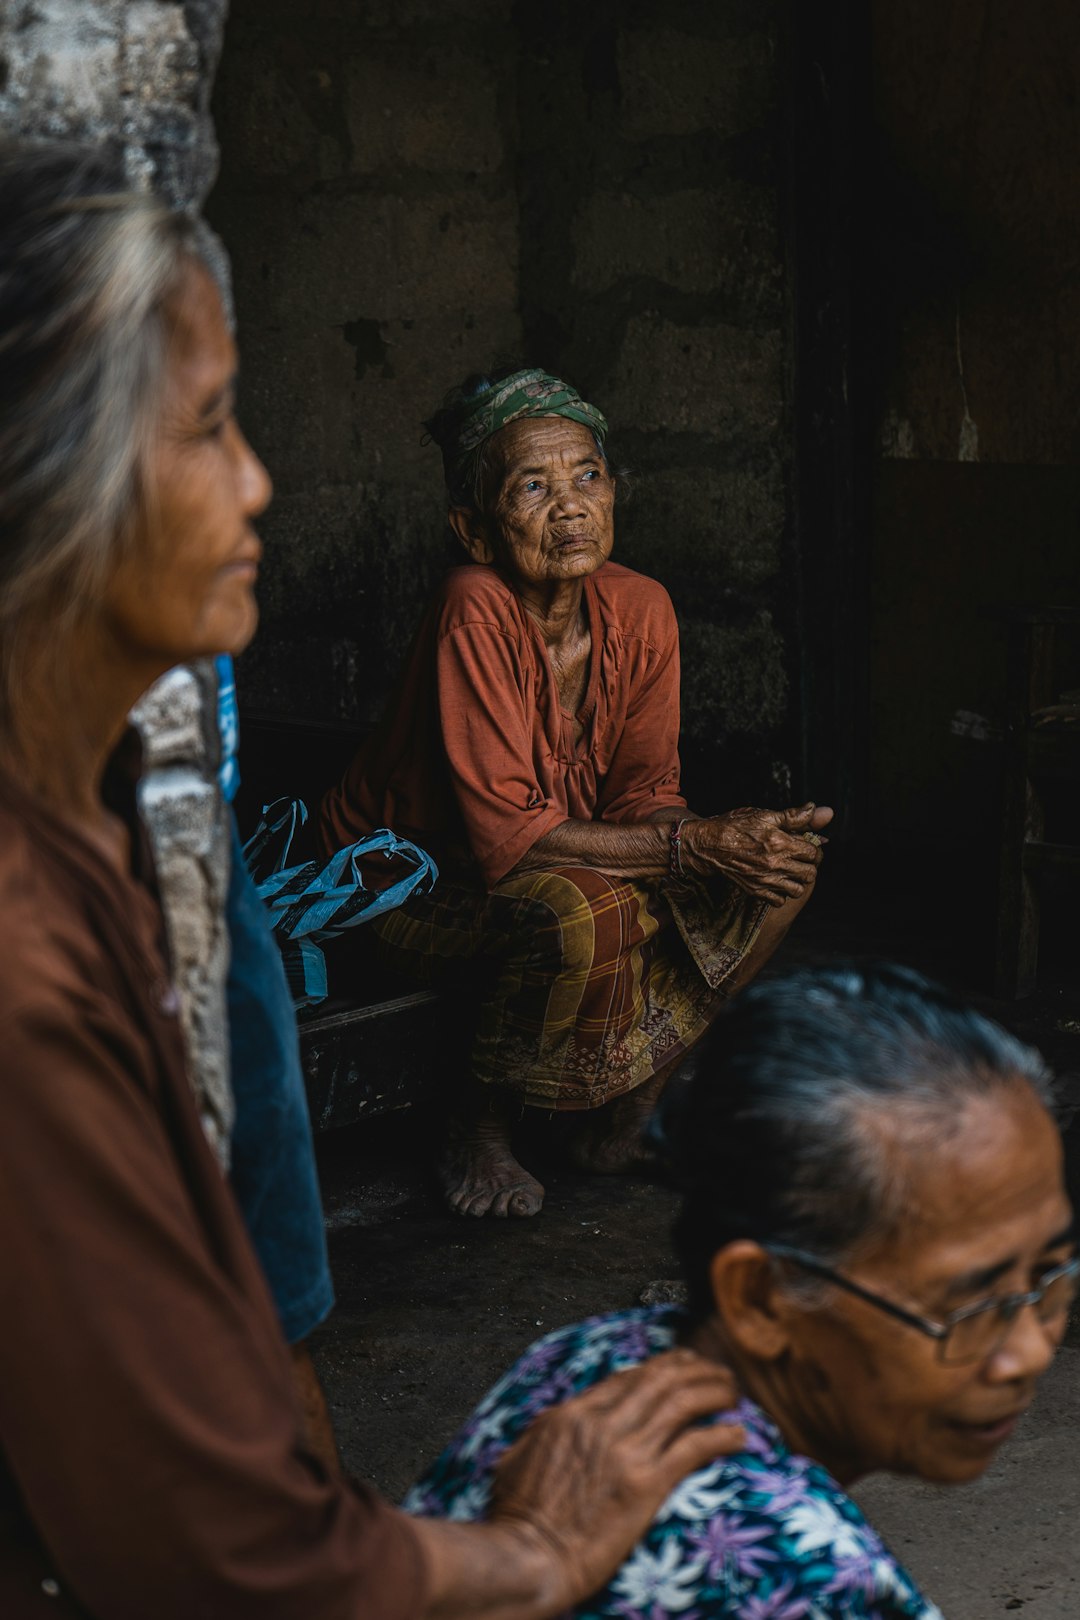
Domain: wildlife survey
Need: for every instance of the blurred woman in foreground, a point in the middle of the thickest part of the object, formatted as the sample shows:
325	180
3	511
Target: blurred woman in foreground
152	1454
876	1237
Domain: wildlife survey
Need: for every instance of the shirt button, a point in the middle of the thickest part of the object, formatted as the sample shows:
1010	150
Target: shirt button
535	802
50	1587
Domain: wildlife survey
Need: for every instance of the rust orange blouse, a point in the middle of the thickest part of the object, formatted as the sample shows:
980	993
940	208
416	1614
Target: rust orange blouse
476	760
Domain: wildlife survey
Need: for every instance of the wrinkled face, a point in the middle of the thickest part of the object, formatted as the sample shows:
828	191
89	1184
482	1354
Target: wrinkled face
186	587
552	518
989	1217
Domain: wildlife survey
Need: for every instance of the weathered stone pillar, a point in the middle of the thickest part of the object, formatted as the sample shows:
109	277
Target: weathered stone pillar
182	807
140	72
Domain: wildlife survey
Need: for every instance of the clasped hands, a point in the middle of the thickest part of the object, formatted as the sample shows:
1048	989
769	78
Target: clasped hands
770	854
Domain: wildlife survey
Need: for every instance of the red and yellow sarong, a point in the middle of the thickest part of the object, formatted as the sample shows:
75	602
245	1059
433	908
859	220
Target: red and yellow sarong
585	985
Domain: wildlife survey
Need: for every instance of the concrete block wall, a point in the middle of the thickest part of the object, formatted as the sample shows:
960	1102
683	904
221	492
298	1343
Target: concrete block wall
367	196
411	192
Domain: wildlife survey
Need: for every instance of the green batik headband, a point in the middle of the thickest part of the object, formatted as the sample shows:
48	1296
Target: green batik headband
473	419
526	393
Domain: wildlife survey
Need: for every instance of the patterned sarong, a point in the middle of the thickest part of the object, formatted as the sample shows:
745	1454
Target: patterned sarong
585	985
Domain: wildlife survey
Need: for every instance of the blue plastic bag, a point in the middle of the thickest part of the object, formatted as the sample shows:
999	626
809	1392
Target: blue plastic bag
310	903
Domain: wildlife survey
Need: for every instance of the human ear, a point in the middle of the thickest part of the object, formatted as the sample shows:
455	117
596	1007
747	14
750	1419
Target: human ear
471	530
749	1300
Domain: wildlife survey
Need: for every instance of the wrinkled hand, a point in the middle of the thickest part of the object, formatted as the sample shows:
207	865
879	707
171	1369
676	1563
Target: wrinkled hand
588	1477
770	854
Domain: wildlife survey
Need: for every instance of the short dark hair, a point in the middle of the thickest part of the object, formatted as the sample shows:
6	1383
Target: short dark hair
772	1139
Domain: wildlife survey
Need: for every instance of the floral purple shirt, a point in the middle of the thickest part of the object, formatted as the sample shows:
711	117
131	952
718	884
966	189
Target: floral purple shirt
763	1535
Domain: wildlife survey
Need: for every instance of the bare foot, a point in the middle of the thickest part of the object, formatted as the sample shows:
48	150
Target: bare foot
614	1143
480	1175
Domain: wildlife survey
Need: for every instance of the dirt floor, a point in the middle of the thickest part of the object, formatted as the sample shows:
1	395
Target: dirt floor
431	1310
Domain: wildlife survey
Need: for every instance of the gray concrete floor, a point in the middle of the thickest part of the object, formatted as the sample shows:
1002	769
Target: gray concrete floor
432	1310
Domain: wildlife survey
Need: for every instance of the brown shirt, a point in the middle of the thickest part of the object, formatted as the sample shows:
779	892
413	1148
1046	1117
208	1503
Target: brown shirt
476	760
151	1456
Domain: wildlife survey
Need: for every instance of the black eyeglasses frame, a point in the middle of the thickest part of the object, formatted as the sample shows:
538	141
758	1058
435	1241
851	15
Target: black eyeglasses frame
1006	1306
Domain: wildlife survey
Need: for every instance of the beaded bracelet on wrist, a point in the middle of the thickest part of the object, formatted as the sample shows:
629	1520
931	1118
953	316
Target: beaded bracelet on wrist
675	865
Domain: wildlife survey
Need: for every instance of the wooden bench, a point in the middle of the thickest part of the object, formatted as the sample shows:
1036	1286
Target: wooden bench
371	1046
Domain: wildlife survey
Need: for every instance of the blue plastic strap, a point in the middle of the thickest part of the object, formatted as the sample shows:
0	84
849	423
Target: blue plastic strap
316	903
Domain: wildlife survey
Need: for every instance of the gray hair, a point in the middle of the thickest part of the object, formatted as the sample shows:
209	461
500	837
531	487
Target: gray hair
789	1129
85	265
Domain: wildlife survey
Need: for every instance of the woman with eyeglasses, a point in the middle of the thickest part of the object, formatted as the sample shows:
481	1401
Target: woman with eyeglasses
876	1236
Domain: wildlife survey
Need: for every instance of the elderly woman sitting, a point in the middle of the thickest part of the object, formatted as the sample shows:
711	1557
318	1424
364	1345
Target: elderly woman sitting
877	1238
533	747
